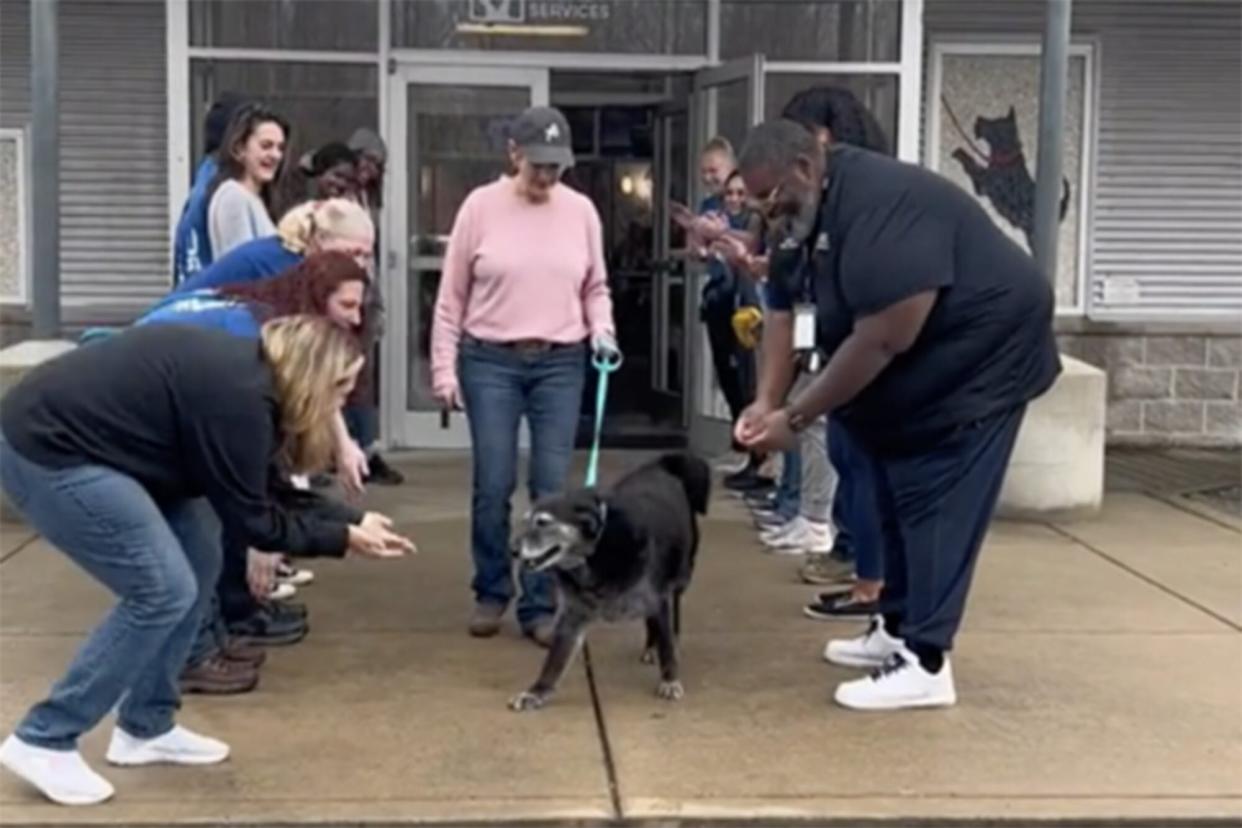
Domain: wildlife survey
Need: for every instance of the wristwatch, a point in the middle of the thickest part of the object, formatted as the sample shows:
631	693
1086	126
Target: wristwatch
797	420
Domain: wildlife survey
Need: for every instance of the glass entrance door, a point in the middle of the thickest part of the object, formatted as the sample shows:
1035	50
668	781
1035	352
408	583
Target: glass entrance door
455	124
727	101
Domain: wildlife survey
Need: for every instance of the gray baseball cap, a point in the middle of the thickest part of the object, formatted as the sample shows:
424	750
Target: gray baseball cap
543	134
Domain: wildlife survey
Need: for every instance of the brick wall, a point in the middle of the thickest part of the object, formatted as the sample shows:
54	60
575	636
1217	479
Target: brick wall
1162	389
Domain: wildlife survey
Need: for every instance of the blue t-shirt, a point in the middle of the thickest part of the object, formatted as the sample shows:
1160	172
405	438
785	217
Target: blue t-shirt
191	243
204	309
248	262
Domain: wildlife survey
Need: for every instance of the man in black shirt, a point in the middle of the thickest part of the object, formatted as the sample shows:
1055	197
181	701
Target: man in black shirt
940	332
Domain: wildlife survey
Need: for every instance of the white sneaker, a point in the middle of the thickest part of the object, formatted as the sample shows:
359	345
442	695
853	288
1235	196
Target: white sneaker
871	649
731	462
799	536
283	591
178	746
900	684
286	573
61	775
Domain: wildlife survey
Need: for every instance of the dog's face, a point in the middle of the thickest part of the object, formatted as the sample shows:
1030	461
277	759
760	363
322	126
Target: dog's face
561	531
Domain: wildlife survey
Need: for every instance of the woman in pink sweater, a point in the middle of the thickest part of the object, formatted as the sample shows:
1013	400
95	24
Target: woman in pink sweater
523	291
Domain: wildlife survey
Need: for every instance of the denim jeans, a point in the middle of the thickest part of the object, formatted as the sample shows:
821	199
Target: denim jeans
161	561
855	507
362	420
789	487
499	386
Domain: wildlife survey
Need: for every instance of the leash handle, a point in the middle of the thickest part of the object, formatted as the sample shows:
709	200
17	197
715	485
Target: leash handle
604	363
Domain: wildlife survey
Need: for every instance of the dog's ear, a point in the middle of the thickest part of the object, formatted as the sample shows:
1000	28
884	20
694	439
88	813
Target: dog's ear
591	515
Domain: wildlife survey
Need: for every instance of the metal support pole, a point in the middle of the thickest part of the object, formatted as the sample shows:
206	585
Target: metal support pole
45	169
1053	77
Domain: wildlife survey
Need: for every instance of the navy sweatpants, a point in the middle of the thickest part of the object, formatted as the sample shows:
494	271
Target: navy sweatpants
934	508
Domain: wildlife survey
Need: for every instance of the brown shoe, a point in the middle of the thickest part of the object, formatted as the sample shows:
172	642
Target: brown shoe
542	632
237	651
217	676
485	622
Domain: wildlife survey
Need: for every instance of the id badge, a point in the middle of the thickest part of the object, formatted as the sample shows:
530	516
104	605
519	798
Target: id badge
804	327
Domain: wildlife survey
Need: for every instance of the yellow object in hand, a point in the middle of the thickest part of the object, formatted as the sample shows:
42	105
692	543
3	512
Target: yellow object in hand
747	322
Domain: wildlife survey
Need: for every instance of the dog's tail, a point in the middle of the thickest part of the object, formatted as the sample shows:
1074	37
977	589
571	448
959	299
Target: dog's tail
695	475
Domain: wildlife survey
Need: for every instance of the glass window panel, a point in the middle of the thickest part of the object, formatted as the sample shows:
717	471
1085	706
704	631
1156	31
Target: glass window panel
828	30
733	111
456	141
337	25
663	27
322	102
879	93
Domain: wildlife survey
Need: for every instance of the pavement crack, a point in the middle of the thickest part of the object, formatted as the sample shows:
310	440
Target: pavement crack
1144	577
13	554
610	765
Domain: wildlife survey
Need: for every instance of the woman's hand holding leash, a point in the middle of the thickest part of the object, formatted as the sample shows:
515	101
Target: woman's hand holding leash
604	348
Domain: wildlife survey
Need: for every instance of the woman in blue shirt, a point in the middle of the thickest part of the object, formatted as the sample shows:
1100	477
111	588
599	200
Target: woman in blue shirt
337	224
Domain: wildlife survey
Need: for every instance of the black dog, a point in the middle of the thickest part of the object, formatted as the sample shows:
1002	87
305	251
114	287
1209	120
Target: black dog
625	554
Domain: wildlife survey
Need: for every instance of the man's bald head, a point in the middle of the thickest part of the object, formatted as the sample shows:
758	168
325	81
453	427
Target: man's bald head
779	146
783	167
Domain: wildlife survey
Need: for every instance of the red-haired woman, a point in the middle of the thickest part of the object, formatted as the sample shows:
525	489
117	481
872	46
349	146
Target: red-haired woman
330	284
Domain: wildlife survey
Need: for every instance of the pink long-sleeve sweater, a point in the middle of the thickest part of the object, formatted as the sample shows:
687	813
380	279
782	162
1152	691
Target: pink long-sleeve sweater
518	271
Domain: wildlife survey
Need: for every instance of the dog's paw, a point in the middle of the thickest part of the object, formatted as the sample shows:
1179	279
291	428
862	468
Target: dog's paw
671	691
527	701
648	656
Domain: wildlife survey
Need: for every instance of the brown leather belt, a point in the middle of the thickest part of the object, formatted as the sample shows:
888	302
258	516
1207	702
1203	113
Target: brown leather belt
525	346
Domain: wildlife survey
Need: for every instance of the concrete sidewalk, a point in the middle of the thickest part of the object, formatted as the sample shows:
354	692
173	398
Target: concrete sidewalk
1099	672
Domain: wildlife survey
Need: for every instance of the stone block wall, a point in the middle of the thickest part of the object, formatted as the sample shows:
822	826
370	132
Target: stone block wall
1167	389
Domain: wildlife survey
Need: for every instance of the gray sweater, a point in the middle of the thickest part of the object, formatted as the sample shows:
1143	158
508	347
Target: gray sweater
235	216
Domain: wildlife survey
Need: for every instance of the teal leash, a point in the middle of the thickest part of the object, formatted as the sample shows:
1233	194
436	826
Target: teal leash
604	365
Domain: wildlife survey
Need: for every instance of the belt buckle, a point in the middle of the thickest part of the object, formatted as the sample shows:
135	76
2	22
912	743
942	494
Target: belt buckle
530	346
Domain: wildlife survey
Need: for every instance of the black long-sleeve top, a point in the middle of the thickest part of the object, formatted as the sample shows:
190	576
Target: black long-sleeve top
185	411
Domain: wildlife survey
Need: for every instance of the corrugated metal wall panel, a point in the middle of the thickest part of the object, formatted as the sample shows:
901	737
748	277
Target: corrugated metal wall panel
14	63
114	156
1167	210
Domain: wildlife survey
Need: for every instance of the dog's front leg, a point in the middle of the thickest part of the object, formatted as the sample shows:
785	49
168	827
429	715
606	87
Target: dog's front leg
570	631
670	687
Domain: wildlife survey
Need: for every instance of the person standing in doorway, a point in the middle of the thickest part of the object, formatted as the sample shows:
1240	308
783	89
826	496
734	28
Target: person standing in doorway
250	160
733	365
939	331
524	290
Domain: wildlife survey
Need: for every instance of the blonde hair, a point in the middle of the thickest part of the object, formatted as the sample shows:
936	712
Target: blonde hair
311	359
315	221
719	144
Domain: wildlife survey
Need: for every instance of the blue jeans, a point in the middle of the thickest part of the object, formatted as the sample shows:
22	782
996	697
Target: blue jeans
789	487
499	386
855	507
161	561
362	420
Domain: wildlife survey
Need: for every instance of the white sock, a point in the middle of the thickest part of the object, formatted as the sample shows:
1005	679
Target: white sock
61	775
